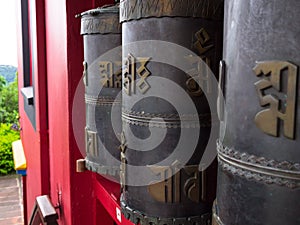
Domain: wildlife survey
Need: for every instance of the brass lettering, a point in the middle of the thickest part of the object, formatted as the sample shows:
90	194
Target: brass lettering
199	74
192	186
283	109
162	191
129	75
91	141
136	68
168	190
110	74
199	77
202	41
143	73
188	183
118	75
106	73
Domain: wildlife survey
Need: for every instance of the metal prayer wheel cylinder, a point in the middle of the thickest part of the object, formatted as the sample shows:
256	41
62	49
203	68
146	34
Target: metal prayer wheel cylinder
187	195
258	150
101	32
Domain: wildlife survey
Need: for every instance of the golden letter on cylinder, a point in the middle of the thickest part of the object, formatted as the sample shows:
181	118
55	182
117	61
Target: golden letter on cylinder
273	73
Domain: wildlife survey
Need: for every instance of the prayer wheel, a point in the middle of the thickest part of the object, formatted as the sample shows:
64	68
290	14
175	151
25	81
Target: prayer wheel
258	149
153	125
101	32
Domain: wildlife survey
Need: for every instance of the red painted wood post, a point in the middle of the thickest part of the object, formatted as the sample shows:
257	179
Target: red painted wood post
24	185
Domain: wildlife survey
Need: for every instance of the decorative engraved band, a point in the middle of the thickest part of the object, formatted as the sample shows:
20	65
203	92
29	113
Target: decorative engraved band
169	120
215	218
101	100
172	116
139	218
259	168
100	169
138	9
103	24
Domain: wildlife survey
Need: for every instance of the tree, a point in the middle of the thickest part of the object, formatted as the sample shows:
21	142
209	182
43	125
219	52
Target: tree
9	103
8	115
2	83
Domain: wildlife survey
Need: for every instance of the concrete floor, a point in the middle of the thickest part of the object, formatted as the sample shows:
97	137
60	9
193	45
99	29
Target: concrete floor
11	204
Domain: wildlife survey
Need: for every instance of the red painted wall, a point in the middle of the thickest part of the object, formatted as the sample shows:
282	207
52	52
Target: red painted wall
35	141
64	70
51	150
56	60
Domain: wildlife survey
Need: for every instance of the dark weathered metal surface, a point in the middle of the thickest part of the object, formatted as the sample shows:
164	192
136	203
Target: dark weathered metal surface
101	21
139	218
102	77
259	157
138	9
189	192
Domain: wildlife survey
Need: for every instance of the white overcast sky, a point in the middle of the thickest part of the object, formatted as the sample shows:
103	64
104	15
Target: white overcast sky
8	36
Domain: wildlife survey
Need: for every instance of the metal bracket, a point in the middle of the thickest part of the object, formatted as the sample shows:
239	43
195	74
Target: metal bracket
27	93
43	212
221	95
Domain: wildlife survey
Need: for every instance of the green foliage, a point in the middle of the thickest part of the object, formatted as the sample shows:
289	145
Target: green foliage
8	116
7	136
9	102
2	83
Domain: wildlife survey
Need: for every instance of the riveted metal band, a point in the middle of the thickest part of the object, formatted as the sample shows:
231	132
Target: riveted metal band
169	120
259	168
138	9
99	21
215	218
101	100
101	169
139	218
